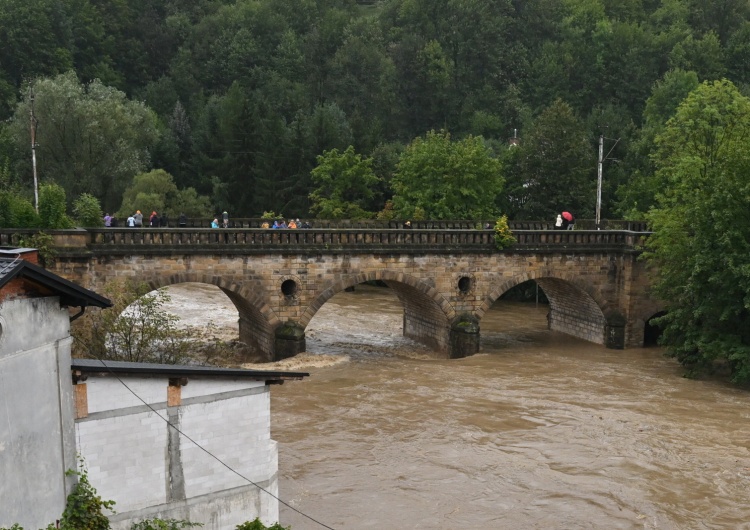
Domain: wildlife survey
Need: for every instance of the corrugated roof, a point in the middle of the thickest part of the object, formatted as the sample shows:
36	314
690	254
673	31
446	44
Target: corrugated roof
91	366
70	294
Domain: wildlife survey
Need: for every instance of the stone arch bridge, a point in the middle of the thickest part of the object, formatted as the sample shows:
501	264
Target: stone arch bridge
446	279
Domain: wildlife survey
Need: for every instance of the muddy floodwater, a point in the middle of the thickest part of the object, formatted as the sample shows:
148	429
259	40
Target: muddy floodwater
539	431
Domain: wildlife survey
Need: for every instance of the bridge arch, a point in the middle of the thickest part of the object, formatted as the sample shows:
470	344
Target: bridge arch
427	313
257	320
576	307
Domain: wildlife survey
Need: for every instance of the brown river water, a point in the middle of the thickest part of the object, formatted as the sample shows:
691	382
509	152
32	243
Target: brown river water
539	430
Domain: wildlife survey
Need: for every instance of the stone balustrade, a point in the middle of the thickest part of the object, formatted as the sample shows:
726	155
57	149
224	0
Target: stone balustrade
248	240
460	224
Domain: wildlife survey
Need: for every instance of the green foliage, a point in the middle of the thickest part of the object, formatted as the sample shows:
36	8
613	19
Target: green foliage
344	183
504	238
91	138
447	179
17	212
638	195
387	213
45	245
249	93
156	191
701	241
187	201
136	328
84	509
52	207
257	524
272	215
163	524
88	211
557	166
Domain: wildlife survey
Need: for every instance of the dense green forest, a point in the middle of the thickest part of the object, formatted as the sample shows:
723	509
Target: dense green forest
239	99
400	108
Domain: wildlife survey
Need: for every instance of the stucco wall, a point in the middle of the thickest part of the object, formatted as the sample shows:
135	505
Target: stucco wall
36	413
150	470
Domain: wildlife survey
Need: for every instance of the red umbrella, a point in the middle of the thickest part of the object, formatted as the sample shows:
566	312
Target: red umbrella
567	216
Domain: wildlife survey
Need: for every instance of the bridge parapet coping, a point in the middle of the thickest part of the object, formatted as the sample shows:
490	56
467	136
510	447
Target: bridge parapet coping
164	241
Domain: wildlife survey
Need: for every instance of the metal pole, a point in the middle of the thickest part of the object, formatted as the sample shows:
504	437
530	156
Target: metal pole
33	148
599	182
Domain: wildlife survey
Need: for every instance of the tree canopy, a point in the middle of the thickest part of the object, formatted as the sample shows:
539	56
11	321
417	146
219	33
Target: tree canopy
345	183
91	138
701	244
438	178
237	99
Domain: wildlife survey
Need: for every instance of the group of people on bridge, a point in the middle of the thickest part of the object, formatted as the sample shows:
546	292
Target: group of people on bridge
292	224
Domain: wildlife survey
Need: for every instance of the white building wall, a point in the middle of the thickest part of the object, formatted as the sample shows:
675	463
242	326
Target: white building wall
107	394
36	411
125	458
133	460
237	431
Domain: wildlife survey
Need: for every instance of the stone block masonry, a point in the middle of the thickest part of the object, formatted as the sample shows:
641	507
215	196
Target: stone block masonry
592	291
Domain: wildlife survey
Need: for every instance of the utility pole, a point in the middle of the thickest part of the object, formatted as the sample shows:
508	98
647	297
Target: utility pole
599	166
33	147
599	182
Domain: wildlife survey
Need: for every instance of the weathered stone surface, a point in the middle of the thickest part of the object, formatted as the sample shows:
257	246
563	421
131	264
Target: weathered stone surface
582	285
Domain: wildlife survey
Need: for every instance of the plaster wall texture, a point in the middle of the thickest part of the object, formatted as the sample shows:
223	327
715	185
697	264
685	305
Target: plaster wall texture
134	459
36	412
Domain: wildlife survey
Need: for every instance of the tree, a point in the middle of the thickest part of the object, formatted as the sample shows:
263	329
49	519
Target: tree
447	179
36	41
156	191
87	211
135	329
701	240
637	196
345	182
557	165
91	138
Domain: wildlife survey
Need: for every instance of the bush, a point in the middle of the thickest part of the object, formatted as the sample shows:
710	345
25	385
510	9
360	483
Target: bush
17	212
272	215
45	245
52	207
84	509
145	333
503	236
88	211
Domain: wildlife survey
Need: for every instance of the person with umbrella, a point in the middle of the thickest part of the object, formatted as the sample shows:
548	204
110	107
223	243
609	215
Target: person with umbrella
568	221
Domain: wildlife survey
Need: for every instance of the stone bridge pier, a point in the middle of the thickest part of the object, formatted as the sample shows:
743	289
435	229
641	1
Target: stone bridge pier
597	288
